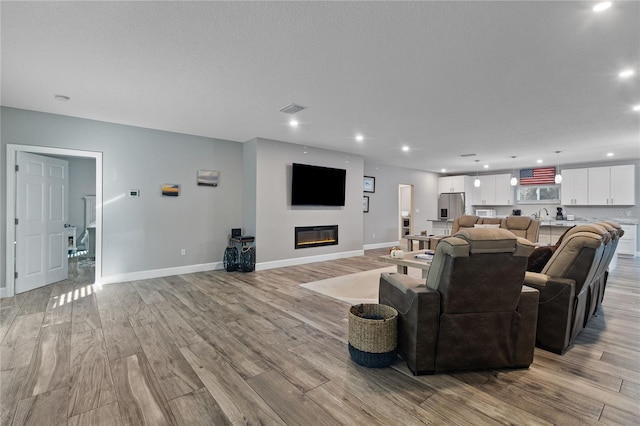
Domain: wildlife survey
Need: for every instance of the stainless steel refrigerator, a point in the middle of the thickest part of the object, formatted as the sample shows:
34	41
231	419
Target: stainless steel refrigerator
450	205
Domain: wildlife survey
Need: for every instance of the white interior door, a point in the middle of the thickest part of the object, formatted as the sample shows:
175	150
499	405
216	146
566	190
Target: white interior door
42	201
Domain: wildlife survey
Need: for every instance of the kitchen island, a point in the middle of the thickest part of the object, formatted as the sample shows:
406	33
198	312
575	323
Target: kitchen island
552	230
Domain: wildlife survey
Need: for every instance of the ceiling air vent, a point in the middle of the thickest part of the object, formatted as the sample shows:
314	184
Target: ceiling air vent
292	108
468	155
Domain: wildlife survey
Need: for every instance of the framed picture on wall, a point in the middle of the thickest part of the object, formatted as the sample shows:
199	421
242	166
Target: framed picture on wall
365	204
207	178
170	190
369	184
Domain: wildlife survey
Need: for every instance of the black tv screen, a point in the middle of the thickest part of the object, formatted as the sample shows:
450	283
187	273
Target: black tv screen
317	186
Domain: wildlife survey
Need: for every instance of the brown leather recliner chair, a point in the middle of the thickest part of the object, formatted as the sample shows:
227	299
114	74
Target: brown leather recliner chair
566	284
473	312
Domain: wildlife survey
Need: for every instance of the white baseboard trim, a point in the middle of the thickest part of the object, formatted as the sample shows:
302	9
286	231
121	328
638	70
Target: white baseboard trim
307	259
380	245
4	292
158	273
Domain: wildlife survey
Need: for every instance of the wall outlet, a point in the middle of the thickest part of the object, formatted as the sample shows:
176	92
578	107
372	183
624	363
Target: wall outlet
183	252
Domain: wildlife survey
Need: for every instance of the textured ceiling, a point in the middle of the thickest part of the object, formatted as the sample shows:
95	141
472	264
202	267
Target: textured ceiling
445	78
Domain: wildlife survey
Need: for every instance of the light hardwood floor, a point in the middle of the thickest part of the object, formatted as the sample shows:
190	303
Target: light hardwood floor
219	348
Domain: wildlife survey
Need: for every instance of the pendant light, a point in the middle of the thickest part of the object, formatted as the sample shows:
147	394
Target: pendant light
514	179
558	178
476	182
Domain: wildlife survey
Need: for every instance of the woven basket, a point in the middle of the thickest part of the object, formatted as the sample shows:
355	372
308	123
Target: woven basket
373	334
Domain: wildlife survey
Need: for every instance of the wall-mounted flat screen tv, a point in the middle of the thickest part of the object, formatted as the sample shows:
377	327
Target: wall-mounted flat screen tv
317	186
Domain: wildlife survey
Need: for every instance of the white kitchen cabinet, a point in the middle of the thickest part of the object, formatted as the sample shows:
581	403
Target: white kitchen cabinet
613	185
599	184
574	189
550	235
504	190
461	183
628	243
494	190
623	189
451	184
440	228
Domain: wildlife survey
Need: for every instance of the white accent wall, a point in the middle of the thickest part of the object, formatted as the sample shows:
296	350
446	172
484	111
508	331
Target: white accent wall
276	218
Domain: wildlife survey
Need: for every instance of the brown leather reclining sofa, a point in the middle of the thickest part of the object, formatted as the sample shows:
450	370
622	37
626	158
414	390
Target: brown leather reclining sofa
473	311
522	226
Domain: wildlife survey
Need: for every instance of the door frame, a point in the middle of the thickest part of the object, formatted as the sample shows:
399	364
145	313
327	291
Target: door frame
12	149
411	212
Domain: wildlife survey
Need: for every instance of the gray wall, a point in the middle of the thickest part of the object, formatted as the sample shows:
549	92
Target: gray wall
145	233
382	221
276	218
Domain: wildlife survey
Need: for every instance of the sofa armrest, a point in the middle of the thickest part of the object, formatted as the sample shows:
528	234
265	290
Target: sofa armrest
418	319
555	310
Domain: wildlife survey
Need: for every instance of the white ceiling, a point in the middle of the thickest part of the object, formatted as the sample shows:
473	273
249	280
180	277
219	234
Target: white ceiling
445	78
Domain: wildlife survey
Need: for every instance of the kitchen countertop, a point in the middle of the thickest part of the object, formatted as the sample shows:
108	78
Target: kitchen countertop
567	223
562	223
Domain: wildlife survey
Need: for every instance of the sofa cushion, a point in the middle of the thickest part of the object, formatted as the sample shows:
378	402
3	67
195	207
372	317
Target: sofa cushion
518	223
451	247
591	227
572	244
539	258
541	255
492	221
489	240
467	221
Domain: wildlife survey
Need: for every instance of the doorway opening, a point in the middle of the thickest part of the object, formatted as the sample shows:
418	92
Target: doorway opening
10	251
405	210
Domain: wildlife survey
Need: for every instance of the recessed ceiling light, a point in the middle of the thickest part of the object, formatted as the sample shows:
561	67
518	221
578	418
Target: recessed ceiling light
538	161
405	148
602	6
359	137
636	107
61	98
443	170
293	123
609	154
486	166
627	73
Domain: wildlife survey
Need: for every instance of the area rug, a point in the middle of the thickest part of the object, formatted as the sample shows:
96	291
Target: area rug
361	287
